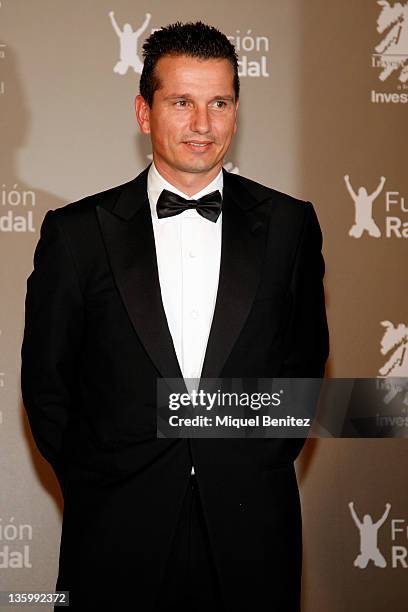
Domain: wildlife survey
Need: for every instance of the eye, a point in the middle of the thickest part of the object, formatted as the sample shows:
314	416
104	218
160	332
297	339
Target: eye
220	103
181	103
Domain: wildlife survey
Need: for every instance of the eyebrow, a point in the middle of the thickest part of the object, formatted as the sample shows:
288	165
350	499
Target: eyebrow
188	95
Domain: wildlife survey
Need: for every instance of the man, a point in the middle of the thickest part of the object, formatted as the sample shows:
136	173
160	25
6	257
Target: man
160	278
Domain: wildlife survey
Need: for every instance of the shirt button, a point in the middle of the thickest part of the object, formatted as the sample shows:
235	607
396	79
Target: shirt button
191	254
194	314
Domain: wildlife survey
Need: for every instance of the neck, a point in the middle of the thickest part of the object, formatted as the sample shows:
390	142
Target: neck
187	182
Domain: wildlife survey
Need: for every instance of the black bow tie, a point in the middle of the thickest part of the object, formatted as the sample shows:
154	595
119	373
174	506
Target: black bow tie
170	204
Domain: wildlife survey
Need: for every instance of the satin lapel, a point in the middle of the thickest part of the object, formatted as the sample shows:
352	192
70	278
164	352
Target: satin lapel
244	233
128	234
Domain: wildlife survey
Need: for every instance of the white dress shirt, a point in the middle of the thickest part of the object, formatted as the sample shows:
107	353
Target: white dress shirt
188	251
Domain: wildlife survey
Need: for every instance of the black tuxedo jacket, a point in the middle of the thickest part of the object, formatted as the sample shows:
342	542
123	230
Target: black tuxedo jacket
96	340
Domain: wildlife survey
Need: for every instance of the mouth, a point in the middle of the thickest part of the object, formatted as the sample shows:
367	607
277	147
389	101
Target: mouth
197	145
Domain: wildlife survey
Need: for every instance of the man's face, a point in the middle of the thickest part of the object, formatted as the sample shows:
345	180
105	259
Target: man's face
193	116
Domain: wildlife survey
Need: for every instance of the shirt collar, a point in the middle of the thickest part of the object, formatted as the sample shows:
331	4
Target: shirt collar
156	183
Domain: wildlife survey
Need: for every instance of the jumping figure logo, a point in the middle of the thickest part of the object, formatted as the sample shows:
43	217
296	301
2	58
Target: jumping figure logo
363	204
369	550
395	339
391	54
128	39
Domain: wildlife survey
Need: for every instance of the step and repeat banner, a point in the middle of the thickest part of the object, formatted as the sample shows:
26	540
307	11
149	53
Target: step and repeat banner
323	117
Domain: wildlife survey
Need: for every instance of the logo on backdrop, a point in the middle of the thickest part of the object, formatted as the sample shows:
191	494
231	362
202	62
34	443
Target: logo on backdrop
128	45
252	49
369	550
15	544
397	533
391	211
394	340
363	207
20	205
390	56
252	52
230	167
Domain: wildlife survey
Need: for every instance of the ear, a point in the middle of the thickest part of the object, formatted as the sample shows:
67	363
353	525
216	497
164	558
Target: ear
142	111
383	3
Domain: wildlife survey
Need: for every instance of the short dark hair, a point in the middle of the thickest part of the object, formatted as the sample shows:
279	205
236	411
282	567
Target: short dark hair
191	39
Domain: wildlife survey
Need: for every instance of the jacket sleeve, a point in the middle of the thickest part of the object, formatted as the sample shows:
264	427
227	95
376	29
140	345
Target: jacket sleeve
51	342
306	342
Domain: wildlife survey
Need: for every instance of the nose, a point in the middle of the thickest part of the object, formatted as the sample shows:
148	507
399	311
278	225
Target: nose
200	122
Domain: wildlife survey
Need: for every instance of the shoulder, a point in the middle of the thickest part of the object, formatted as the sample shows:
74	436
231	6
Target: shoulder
79	218
128	193
85	206
289	213
291	217
264	194
76	226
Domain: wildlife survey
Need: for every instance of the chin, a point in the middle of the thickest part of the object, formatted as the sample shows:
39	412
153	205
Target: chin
202	166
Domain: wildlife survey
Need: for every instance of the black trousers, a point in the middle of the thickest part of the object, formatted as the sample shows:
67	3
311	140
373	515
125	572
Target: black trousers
191	581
